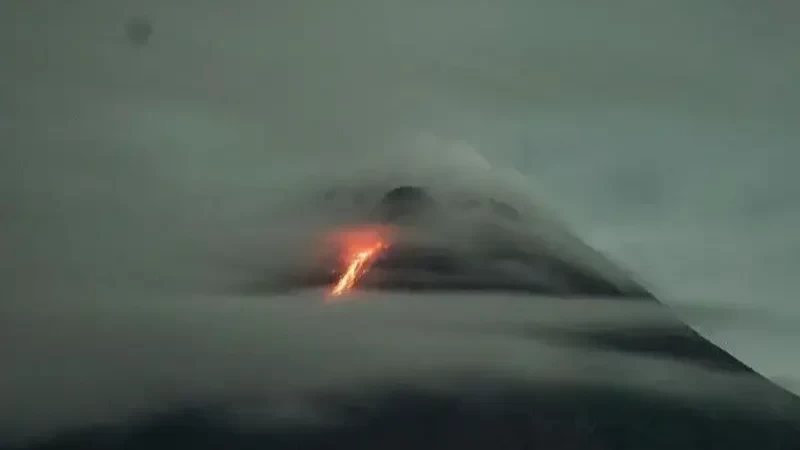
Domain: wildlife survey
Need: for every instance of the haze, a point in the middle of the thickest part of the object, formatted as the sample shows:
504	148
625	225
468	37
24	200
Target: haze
662	132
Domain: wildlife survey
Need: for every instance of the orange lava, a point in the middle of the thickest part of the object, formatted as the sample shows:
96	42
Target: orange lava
360	251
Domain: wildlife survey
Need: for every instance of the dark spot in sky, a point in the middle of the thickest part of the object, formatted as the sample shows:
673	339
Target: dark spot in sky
139	30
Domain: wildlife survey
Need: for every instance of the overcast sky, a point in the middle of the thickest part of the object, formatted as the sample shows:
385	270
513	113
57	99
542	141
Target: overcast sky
663	132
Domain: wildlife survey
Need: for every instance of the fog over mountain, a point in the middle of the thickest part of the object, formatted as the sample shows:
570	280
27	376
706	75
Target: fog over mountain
135	166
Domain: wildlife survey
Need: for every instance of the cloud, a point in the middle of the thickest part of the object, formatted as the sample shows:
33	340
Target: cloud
86	362
132	183
121	305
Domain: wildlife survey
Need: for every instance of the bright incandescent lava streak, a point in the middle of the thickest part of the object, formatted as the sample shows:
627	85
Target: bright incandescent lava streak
357	263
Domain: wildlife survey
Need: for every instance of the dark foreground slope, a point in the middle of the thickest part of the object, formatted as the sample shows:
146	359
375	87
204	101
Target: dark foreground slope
512	420
495	415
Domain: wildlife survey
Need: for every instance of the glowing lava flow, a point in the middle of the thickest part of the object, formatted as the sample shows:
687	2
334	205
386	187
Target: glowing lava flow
357	265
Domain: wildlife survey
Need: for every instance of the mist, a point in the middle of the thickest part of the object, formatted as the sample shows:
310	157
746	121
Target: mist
133	179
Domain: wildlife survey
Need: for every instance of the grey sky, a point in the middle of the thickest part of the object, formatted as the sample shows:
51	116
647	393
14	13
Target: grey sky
663	132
